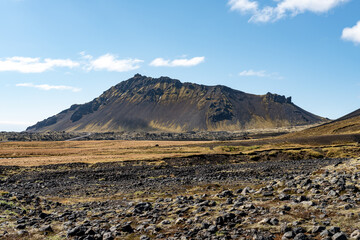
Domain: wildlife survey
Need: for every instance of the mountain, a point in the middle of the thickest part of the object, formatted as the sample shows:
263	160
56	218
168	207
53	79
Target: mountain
348	124
163	104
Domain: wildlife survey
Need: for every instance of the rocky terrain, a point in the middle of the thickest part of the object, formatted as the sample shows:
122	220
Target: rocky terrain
167	105
199	197
47	136
161	136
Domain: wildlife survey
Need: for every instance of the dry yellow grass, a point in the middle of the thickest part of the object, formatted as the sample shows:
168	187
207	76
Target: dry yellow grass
347	126
44	153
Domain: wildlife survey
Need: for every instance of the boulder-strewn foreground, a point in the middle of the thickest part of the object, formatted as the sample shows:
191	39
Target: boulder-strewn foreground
164	104
183	199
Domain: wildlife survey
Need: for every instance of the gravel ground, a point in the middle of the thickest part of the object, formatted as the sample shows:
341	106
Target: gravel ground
199	197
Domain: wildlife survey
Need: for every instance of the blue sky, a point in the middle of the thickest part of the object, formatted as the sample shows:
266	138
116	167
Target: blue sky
57	53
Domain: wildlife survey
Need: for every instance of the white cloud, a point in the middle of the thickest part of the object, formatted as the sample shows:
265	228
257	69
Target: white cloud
252	73
183	62
352	34
107	62
85	56
243	6
300	6
34	65
47	87
110	62
262	73
283	8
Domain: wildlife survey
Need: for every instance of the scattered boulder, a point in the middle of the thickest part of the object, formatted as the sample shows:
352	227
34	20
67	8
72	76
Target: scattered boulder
339	236
355	235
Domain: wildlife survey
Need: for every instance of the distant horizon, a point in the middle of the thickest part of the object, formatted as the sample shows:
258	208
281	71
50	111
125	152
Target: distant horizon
58	53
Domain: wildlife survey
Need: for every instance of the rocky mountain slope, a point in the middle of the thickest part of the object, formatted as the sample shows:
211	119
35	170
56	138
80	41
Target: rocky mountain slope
164	104
348	124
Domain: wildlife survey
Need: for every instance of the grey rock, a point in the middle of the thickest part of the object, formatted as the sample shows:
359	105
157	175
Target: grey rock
212	229
268	194
229	201
332	193
288	235
90	232
285	208
274	221
46	228
300	236
76	231
219	221
89	238
348	206
127	228
249	206
355	235
43	215
108	236
326	233
229	217
334	230
179	220
246	191
284	197
339	236
165	222
318	229
21	226
301	198
205	225
298	230
226	193
97	236
265	221
142	207
22	233
309	203
284	228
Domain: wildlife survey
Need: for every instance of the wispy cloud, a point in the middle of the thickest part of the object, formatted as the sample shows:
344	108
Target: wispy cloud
47	87
107	62
261	73
283	8
251	73
352	33
85	56
110	62
34	65
243	6
183	62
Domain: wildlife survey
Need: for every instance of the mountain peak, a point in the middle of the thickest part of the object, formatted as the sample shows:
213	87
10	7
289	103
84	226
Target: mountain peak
143	103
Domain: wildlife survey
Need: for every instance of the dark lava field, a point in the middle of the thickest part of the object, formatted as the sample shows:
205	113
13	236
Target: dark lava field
197	197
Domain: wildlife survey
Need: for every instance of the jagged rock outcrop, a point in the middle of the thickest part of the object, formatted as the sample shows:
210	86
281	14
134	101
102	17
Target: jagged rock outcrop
164	104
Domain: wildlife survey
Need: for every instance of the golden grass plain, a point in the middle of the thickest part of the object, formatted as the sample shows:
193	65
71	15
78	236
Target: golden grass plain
45	153
29	154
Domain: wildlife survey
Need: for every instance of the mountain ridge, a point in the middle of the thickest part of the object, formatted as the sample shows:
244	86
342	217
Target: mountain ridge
163	104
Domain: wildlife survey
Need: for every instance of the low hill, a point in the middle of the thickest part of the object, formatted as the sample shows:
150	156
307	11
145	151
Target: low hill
163	104
348	124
